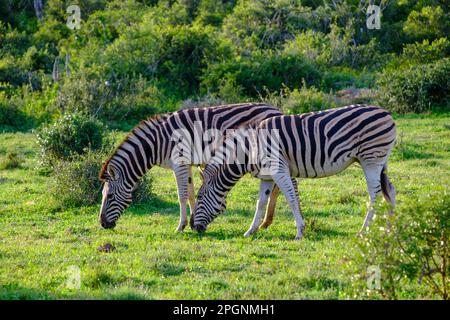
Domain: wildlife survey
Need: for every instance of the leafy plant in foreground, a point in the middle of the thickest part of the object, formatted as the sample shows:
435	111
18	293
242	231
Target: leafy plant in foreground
412	245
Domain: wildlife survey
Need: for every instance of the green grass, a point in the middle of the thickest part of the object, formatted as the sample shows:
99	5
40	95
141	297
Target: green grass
39	241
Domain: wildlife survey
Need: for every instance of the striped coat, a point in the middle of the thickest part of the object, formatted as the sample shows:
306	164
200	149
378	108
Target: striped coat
155	142
311	145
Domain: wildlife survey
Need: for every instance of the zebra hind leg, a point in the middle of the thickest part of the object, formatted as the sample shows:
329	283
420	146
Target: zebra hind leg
373	174
268	218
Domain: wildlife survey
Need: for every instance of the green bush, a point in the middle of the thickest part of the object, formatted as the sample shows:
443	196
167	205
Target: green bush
175	55
417	88
72	134
428	23
11	115
10	71
263	70
426	52
305	100
143	192
12	161
266	24
128	98
75	182
410	248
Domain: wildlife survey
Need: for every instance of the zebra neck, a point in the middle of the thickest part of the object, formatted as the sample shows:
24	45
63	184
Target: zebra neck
229	175
136	155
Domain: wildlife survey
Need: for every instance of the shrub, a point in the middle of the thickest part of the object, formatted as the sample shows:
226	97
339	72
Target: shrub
175	55
10	72
409	248
427	23
115	99
306	100
12	161
11	115
143	192
71	135
426	52
417	88
269	70
201	102
266	24
75	182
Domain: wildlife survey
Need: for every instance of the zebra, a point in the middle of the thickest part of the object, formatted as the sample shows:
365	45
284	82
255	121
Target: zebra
311	145
153	142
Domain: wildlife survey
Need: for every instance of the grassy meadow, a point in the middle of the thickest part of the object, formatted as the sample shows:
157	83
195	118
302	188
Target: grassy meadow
40	242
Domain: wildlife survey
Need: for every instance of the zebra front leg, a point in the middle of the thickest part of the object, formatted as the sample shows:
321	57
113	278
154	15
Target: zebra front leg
284	182
265	189
191	196
182	175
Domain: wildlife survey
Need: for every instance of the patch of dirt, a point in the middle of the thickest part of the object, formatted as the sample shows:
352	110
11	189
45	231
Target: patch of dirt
107	247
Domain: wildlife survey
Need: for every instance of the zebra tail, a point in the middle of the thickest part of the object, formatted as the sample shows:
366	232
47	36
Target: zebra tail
386	187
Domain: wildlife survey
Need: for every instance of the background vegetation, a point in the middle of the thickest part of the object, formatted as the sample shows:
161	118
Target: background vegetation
130	59
67	97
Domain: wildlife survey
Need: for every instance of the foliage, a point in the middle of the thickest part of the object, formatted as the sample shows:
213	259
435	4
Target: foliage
416	88
143	192
429	23
264	69
411	246
75	182
306	100
73	134
12	161
11	115
112	100
131	59
426	52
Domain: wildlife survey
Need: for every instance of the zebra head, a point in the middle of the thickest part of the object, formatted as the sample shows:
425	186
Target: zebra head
210	203
116	196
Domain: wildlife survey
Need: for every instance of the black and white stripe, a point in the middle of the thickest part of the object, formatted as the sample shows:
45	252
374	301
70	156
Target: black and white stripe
311	145
151	143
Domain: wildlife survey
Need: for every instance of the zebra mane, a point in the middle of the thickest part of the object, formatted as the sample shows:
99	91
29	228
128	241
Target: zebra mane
156	120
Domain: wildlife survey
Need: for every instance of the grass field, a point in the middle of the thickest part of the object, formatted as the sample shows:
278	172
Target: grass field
39	242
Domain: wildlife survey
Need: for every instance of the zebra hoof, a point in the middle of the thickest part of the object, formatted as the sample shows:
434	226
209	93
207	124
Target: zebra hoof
299	237
264	225
181	227
249	233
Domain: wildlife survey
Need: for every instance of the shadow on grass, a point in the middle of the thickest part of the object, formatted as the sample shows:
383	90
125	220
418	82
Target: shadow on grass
19	293
315	233
155	205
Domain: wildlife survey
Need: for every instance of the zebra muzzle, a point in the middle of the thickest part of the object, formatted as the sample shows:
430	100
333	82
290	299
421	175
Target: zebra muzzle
105	224
200	228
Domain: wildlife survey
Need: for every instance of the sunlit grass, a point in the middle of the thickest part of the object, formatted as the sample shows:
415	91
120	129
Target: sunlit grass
39	241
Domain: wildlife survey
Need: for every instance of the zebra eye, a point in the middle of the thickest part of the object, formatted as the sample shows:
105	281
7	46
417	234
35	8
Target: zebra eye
112	174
